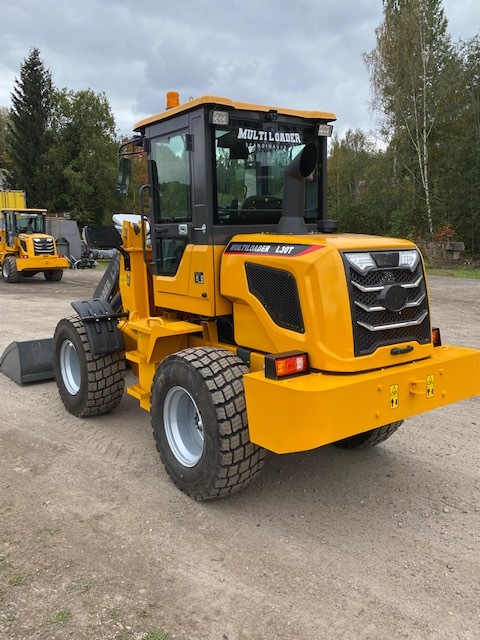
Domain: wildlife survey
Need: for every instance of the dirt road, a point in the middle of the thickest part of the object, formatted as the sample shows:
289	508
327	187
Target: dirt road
97	543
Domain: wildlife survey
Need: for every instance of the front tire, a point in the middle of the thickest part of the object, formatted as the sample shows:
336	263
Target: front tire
199	422
53	276
369	439
88	385
9	270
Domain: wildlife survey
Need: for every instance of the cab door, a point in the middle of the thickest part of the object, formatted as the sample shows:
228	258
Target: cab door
185	262
10	228
171	202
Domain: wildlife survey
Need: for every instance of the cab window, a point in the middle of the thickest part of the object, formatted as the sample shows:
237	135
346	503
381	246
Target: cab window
250	160
173	178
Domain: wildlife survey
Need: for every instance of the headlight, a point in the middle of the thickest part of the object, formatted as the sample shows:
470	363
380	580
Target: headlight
362	262
409	259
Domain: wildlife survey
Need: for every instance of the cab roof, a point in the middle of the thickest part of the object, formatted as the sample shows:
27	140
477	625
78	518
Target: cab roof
227	103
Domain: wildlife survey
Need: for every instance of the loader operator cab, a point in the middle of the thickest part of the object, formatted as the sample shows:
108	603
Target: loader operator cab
31	222
20	221
216	168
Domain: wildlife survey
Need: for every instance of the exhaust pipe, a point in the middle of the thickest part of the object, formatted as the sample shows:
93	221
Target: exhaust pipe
292	220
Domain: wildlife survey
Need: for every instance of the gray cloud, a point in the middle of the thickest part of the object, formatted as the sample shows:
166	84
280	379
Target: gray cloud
302	54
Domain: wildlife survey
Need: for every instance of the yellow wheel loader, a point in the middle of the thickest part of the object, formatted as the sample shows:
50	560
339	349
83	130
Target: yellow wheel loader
249	323
25	248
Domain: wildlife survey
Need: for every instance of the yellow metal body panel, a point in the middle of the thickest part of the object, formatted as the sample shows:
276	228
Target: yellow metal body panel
227	103
12	199
183	292
343	396
324	298
42	264
151	340
310	411
136	283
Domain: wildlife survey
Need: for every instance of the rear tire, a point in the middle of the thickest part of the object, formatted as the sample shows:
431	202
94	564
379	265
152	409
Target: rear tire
53	276
9	270
369	439
88	385
199	422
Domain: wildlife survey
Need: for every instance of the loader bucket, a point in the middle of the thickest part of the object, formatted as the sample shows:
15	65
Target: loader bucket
29	361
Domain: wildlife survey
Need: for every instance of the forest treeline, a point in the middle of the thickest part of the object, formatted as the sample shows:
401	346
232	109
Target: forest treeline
416	176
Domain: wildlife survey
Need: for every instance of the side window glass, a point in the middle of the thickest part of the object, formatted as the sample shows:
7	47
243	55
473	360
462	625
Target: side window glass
172	252
171	158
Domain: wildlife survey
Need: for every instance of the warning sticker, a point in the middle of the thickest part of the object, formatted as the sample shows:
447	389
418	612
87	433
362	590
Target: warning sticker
394	396
430	386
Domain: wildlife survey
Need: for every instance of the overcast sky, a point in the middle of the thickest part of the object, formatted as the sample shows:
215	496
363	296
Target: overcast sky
304	54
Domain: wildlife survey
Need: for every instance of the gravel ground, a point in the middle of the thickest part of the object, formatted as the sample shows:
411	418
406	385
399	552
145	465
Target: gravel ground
97	543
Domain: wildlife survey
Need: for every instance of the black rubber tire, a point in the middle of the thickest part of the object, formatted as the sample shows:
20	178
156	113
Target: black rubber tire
101	379
369	439
53	276
228	461
9	270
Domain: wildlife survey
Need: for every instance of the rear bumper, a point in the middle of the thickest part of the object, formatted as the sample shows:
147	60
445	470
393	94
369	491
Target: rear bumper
310	411
42	264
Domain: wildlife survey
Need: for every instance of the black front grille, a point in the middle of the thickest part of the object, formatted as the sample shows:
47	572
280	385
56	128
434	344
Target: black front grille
373	324
43	246
277	290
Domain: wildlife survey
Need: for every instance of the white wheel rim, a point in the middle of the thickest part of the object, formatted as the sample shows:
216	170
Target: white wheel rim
70	367
183	426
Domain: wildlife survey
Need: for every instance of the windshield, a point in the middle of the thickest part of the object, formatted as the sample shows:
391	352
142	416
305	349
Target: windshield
30	223
250	160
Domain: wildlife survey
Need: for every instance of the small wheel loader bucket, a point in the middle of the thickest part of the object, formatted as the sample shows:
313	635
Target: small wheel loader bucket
29	361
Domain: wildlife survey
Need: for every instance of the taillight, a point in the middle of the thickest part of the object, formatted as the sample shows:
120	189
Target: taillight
436	338
286	365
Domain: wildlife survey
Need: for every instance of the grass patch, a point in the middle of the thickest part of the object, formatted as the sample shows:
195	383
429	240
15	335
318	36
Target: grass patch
453	270
47	531
113	614
80	585
16	581
103	263
46	536
156	635
4	563
144	611
60	617
7	619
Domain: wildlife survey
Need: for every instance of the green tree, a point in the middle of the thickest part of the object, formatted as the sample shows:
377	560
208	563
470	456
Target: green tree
3	145
411	73
82	158
459	180
28	132
350	180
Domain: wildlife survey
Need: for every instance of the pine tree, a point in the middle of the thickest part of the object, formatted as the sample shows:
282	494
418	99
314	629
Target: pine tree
3	144
28	135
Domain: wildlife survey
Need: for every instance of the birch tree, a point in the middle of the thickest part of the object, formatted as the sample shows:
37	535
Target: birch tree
410	79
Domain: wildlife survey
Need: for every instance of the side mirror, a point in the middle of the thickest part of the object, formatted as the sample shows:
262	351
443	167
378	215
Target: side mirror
123	176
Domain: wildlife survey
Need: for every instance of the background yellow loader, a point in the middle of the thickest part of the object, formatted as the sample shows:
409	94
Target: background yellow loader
25	248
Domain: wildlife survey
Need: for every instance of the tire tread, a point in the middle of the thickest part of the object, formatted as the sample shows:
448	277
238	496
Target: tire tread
240	461
105	377
369	439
